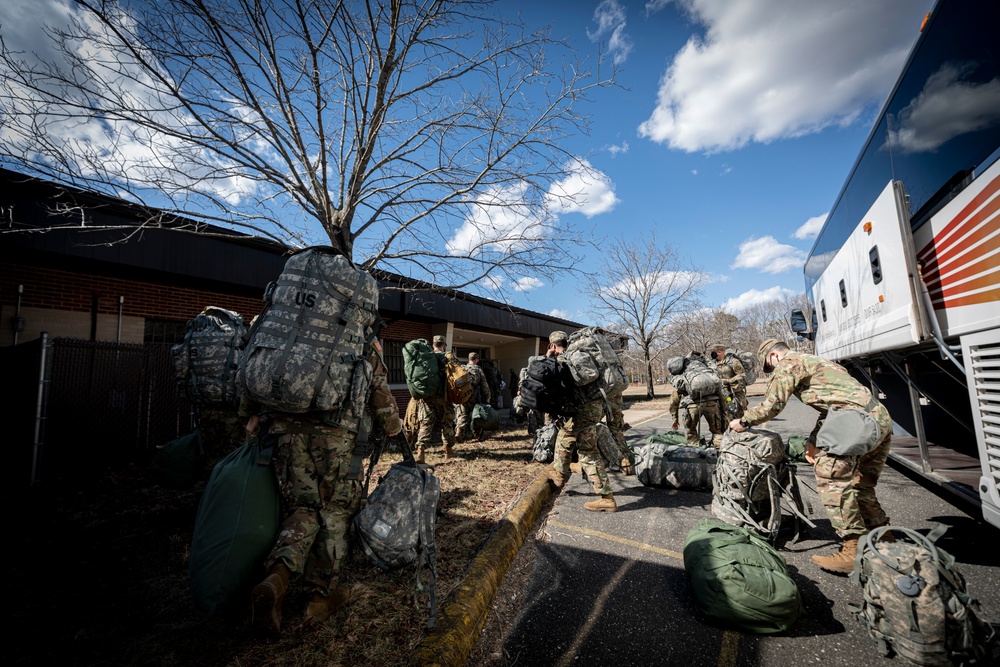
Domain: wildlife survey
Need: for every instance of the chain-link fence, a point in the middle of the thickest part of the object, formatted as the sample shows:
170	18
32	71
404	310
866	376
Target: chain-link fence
104	404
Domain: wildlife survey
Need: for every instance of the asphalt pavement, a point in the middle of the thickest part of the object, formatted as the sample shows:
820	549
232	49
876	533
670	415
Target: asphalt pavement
610	589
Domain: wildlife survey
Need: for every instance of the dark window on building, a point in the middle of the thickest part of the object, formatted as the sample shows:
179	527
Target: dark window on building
164	331
392	351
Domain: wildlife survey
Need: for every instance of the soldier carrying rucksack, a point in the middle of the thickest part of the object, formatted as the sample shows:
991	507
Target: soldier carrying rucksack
205	367
433	410
734	374
698	391
314	379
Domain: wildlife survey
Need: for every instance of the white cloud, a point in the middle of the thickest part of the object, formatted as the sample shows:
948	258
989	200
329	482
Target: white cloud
694	172
610	19
560	313
527	283
768	255
585	190
500	218
756	297
617	150
100	140
810	228
654	6
772	69
664	281
947	107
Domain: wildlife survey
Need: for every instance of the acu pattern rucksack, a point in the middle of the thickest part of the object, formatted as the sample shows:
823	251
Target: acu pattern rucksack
306	352
750	480
594	365
915	601
698	380
749	361
206	361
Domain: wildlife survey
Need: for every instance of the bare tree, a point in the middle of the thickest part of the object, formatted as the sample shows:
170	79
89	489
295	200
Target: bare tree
422	137
639	286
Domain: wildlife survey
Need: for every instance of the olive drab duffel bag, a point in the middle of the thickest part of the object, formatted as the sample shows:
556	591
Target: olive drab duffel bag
739	580
421	369
675	466
237	522
485	417
915	602
306	351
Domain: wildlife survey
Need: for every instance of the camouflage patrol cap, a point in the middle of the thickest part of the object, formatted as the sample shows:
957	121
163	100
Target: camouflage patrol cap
558	337
714	346
440	339
763	350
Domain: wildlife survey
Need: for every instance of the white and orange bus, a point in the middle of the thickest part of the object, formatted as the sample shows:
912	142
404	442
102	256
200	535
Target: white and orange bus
904	278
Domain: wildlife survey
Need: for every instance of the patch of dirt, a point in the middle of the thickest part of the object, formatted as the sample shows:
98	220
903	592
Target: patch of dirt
100	573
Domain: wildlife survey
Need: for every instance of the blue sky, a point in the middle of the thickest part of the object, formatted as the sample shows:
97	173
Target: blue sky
734	131
730	135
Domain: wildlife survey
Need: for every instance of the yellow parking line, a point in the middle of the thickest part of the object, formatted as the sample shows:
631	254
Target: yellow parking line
619	540
730	640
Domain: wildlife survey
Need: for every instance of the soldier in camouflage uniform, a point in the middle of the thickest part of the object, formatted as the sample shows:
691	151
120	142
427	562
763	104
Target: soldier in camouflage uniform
436	412
710	408
579	432
734	379
321	493
480	394
846	484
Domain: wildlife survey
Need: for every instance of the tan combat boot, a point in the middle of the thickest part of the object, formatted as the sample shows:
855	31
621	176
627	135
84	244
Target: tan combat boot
603	504
321	606
267	596
556	477
841	562
419	456
576	467
449	452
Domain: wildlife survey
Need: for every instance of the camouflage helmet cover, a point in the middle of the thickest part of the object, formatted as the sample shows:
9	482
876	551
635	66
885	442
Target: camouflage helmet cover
711	347
558	337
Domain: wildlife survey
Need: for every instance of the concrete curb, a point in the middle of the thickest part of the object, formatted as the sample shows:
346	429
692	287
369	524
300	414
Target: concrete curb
461	618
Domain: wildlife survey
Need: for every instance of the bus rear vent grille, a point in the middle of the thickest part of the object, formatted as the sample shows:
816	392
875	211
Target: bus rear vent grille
986	374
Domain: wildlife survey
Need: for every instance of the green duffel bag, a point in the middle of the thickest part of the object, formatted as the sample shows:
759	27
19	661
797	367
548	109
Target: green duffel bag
237	522
178	463
796	449
485	417
739	580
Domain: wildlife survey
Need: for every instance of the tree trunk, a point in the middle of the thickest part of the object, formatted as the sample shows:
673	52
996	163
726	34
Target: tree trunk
649	374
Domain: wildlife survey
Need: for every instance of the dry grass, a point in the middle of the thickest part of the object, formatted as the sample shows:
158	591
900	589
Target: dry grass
101	574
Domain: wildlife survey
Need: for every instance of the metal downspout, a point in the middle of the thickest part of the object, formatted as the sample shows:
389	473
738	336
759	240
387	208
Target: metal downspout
932	316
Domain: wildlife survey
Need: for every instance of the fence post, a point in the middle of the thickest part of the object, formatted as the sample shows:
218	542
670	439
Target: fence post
39	410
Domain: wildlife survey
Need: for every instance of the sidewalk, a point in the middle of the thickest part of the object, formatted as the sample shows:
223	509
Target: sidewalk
461	619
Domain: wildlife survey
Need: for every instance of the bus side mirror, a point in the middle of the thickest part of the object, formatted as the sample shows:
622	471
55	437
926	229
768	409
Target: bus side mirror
799	324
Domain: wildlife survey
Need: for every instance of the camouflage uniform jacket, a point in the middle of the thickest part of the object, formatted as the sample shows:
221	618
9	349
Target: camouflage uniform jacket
820	384
731	370
481	391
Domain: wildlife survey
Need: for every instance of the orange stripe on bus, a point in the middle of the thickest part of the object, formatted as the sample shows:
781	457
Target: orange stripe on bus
977	201
972	299
967	271
987	280
991	227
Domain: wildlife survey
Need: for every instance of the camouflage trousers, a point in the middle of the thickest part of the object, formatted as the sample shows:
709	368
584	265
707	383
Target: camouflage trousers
846	487
318	498
221	430
463	426
692	421
433	413
580	433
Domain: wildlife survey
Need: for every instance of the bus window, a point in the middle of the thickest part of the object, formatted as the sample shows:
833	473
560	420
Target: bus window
822	306
876	265
843	295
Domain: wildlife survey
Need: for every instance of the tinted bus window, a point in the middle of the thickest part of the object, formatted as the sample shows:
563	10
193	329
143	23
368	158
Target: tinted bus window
940	126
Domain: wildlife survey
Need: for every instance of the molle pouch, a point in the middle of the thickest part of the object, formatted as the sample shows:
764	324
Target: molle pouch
848	432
